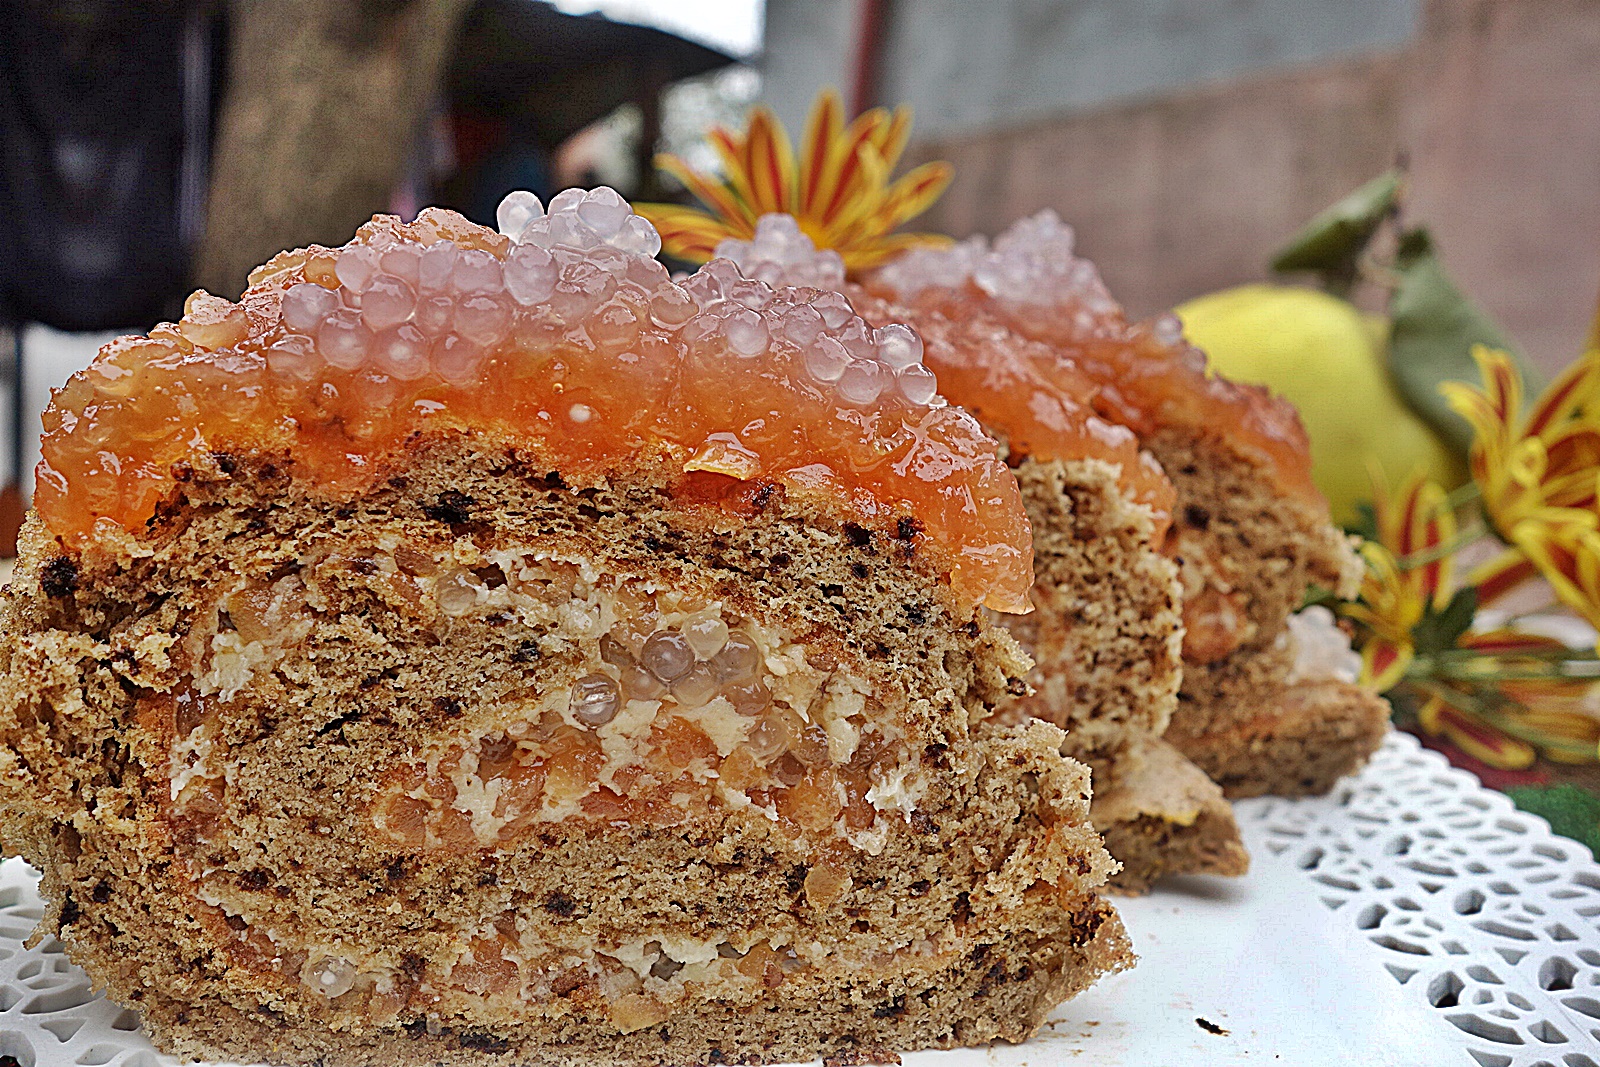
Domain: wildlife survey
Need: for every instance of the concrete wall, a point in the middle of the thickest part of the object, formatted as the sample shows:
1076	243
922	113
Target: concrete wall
1179	186
969	66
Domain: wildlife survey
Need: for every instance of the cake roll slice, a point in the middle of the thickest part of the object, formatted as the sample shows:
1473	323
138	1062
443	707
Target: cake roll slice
1106	631
1250	533
476	644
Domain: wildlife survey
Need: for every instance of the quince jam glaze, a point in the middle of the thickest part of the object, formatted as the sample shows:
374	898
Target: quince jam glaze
1142	375
991	370
561	335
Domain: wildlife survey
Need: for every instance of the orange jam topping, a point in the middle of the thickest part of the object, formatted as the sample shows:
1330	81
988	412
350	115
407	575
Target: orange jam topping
981	363
559	334
1142	375
995	374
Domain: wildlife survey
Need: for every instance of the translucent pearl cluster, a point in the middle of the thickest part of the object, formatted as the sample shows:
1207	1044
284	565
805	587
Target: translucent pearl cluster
780	254
406	310
691	665
835	346
1031	263
1321	649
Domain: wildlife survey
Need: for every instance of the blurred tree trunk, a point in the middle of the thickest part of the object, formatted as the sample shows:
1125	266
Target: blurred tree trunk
323	100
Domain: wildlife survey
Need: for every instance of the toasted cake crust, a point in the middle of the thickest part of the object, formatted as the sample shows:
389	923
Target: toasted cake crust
1163	816
1298	744
1106	630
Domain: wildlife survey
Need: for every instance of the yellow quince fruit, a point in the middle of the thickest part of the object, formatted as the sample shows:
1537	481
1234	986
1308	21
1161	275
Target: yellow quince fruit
1328	359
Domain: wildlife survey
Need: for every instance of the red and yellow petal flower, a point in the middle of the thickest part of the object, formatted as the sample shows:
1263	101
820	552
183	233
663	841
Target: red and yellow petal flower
837	188
1566	548
1475	737
1383	664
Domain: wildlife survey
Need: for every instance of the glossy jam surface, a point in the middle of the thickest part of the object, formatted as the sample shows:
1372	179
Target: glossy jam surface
1141	375
980	363
560	335
995	374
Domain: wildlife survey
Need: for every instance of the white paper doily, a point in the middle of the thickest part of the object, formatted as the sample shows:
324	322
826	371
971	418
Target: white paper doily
1476	909
1411	917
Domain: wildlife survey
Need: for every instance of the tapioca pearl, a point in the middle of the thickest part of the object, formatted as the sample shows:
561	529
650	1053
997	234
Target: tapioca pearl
1167	329
356	266
826	360
595	700
671	306
566	201
388	301
305	305
706	635
917	384
375	388
898	346
801	325
614	325
749	697
604	211
857	340
834	309
435	314
638	237
751	294
456	591
704	329
332	976
726	273
530	274
402	352
483	318
476	271
457	359
738	660
343	339
703	288
516	212
667	655
767	739
404	261
640	684
436	266
294	357
697	687
746	332
862	381
647	274
580	289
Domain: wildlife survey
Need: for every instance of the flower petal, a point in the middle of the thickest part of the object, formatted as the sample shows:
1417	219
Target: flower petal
1475	737
686	233
713	194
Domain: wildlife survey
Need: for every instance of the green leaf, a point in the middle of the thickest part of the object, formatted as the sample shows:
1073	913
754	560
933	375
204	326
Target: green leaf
1439	630
1331	244
1432	329
1570	810
1365	525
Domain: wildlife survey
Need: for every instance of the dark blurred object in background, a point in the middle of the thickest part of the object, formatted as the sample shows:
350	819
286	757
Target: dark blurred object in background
105	113
105	118
323	104
526	77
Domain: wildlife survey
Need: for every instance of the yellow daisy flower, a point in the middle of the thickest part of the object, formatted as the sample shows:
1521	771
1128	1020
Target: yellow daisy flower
837	187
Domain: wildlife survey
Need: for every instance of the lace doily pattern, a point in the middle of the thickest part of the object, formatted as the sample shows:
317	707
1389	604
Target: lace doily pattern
1479	911
49	1015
